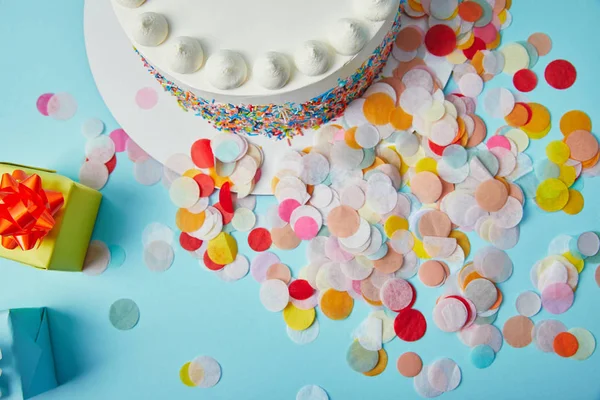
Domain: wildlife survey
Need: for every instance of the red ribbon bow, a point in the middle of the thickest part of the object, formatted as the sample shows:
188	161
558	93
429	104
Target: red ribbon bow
26	210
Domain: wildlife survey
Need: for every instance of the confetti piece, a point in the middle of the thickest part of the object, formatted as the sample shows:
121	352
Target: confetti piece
444	375
97	258
312	392
517	331
410	325
409	364
306	336
541	42
560	74
158	256
93	174
298	319
61	106
42	103
575	120
440	40
119	138
528	304
148	172
146	98
117	256
586	343
337	305
525	80
482	356
210	368
184	375
360	359
274	295
557	298
124	314
565	344
92	128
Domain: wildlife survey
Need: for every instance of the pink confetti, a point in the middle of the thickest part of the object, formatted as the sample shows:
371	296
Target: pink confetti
119	137
42	103
557	298
498	141
286	208
306	228
146	98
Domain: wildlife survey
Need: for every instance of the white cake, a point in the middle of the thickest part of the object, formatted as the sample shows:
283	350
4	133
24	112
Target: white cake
267	52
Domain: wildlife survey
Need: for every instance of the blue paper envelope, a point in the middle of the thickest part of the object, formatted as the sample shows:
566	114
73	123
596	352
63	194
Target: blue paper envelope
27	363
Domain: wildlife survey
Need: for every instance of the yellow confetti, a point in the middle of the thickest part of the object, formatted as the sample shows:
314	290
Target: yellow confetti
222	249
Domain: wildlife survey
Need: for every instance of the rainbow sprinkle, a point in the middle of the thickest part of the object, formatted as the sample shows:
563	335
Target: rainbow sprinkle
283	121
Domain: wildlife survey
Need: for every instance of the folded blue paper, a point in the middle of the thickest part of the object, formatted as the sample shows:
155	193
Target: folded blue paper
27	361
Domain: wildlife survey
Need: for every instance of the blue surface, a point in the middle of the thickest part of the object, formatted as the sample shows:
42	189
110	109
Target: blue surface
187	311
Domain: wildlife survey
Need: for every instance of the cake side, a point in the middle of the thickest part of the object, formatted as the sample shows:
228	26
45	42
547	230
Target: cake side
286	119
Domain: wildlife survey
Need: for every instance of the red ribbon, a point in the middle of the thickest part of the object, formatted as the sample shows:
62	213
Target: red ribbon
26	210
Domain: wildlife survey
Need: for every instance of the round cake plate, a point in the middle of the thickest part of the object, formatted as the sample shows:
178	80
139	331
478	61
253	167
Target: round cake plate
165	129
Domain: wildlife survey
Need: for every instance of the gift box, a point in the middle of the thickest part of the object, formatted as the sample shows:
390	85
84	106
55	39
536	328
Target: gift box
27	362
46	220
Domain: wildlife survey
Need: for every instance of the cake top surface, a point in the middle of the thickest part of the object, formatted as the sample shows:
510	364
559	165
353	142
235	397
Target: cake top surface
237	47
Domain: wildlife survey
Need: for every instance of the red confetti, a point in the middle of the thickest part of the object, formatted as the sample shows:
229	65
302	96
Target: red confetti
111	164
478	45
188	242
259	239
525	80
210	264
257	176
410	325
225	197
206	183
300	289
560	74
227	216
202	154
436	148
440	40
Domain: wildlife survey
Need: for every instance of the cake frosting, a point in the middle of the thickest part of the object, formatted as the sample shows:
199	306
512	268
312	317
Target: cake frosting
347	36
226	69
131	3
375	10
186	56
150	29
272	70
313	58
253	30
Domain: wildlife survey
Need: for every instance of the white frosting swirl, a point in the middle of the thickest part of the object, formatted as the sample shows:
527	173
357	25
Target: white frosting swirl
131	3
186	55
313	58
272	71
226	70
150	29
348	36
376	10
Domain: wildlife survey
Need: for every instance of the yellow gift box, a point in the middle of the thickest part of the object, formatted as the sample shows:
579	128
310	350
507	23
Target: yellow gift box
65	246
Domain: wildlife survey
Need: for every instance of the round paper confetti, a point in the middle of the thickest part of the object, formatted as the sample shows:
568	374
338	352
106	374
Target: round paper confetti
586	342
97	258
557	298
42	103
525	80
146	98
444	375
560	74
410	325
274	295
148	172
158	256
360	359
93	174
482	356
517	331
298	319
92	128
409	364
565	344
62	106
124	314
211	369
440	40
119	137
528	304
306	336
312	392
259	239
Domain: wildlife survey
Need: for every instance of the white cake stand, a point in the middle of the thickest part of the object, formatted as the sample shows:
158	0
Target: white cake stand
165	129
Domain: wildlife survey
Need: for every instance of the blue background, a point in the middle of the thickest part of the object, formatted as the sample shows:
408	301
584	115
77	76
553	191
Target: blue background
187	311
